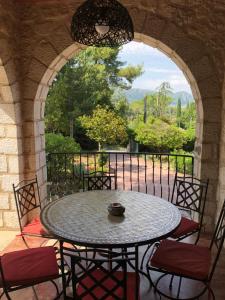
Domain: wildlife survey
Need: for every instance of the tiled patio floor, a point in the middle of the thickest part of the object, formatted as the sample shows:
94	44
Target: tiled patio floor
46	291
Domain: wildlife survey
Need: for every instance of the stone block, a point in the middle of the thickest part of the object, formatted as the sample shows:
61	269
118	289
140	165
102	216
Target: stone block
2	131
44	170
15	89
153	26
42	110
4	201
43	192
209	170
41	127
3	163
50	81
10	71
71	50
10	219
36	70
37	110
28	110
43	142
45	52
211	132
46	77
13	131
10	146
30	163
58	66
28	129
7	94
202	68
29	88
28	145
212	109
7	112
42	159
3	76
209	87
15	164
210	151
38	145
7	180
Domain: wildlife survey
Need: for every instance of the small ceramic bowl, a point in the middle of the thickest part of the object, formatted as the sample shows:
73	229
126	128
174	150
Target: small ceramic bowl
116	209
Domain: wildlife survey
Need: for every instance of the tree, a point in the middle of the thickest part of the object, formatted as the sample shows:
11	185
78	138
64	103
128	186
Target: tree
104	127
59	143
179	112
88	80
161	99
160	135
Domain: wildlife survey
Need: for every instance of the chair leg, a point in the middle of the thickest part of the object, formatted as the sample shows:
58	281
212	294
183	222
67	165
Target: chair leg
7	295
35	293
143	257
178	291
25	242
171	282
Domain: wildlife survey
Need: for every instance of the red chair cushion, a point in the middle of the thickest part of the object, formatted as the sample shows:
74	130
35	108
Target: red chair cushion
186	226
109	284
35	227
29	266
183	259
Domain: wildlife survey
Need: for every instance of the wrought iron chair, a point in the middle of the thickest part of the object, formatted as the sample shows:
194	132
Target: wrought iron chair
26	268
188	261
99	181
189	195
91	278
27	199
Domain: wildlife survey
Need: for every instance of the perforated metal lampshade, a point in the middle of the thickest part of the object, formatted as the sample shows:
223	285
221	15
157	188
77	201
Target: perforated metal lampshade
102	23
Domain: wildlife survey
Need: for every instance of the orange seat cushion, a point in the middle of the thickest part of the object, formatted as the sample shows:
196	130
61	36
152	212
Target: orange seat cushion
35	227
29	266
186	226
182	259
109	284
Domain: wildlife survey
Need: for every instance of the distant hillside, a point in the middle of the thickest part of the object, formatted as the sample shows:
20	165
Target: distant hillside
136	94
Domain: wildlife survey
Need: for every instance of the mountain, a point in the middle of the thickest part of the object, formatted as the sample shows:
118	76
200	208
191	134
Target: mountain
137	94
184	96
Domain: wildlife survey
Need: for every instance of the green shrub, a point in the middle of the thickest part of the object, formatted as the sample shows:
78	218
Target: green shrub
179	163
61	144
103	158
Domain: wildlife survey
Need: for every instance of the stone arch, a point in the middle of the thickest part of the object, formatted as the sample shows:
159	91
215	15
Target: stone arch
188	53
11	158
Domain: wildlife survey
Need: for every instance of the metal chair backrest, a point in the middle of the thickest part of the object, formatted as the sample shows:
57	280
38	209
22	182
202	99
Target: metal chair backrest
189	193
218	238
27	198
107	282
99	181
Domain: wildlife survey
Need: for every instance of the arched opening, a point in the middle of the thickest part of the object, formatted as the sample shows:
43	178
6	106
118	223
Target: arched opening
62	59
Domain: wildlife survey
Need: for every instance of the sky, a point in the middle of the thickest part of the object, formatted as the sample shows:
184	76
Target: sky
157	67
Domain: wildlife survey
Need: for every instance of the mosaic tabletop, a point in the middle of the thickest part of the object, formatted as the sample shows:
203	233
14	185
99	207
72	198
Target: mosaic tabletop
83	218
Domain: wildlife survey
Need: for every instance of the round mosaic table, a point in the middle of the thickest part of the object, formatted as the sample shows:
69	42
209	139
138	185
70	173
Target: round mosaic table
83	219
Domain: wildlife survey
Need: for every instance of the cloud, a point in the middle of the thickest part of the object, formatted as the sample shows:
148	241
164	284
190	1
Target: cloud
138	48
158	67
163	70
177	83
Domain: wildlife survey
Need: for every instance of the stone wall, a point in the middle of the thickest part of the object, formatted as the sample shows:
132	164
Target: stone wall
11	159
192	33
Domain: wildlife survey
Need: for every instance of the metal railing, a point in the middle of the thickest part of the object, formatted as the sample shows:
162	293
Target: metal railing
151	173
